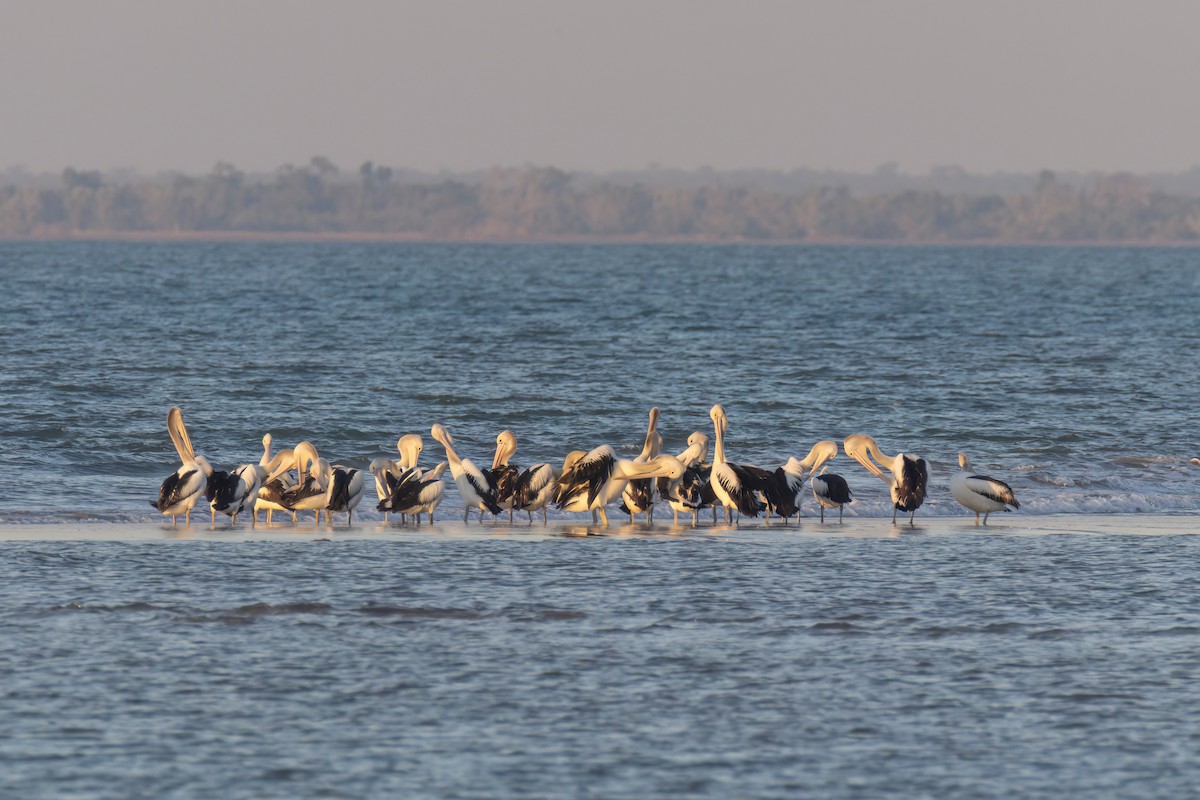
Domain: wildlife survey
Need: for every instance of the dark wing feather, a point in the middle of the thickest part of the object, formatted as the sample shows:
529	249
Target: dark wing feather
836	488
996	490
301	491
743	496
529	484
782	497
218	482
910	491
592	471
504	478
639	492
339	498
487	495
169	493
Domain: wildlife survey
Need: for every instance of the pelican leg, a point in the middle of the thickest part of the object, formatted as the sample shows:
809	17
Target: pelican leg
894	514
349	516
912	519
593	516
603	516
822	515
295	518
676	510
466	514
976	519
840	510
545	515
985	516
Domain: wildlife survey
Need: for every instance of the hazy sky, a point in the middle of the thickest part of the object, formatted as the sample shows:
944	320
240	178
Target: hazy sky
601	84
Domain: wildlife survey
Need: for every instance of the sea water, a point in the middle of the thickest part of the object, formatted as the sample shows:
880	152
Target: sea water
570	661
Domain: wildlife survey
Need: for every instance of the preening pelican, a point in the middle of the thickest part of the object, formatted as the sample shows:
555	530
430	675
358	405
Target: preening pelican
830	491
638	496
472	484
274	479
311	490
414	495
599	477
503	476
387	472
180	491
979	493
733	485
345	492
909	475
686	493
238	490
787	482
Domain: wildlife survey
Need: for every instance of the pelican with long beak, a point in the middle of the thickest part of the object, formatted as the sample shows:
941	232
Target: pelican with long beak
503	476
787	482
599	477
735	486
180	491
311	490
416	494
477	492
686	493
906	475
638	496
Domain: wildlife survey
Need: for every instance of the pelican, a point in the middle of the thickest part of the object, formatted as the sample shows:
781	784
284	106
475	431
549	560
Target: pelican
472	484
503	476
345	491
830	491
180	491
599	477
237	491
686	493
909	474
311	490
387	472
273	480
787	482
638	496
979	493
733	485
414	495
528	490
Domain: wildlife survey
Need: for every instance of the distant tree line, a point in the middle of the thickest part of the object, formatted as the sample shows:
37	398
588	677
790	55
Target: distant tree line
546	203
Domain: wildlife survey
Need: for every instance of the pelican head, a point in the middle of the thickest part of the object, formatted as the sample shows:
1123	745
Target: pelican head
410	446
306	459
440	434
506	448
963	461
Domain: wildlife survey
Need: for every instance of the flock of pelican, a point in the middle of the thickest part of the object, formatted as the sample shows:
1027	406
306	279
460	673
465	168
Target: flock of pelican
298	479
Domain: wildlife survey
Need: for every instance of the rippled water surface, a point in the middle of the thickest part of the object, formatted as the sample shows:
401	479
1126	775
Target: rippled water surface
778	665
1071	373
517	662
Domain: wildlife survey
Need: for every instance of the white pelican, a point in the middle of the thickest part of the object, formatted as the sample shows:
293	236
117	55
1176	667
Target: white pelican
472	484
733	485
311	490
909	474
414	495
503	476
685	494
345	492
787	482
979	493
273	480
237	491
599	477
385	472
521	490
638	496
180	491
830	491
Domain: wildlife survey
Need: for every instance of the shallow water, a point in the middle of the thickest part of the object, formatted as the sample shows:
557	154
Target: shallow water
761	664
1068	372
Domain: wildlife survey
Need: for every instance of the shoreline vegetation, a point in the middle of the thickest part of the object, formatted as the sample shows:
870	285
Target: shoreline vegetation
318	202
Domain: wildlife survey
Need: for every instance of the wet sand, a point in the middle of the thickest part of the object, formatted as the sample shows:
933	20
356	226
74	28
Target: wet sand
1079	524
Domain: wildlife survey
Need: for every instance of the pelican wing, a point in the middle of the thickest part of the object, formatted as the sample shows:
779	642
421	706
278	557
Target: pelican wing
530	483
832	488
742	493
504	477
309	487
344	488
910	489
589	474
784	487
178	486
992	489
487	494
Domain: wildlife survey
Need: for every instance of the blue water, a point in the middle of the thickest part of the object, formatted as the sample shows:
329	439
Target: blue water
944	661
1068	372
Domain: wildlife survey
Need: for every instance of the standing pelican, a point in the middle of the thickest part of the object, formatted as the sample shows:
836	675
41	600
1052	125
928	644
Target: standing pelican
180	491
638	496
685	494
239	490
273	480
414	495
386	472
599	477
472	484
909	474
503	476
733	485
787	482
830	491
979	493
311	490
345	492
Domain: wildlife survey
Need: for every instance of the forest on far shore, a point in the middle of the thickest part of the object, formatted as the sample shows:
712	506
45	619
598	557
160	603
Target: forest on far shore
544	203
